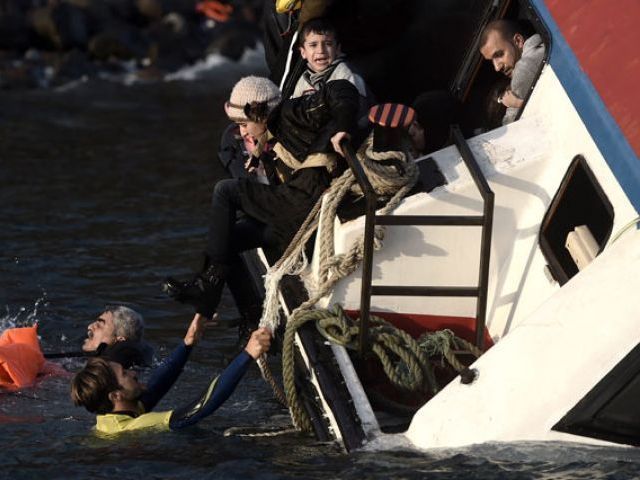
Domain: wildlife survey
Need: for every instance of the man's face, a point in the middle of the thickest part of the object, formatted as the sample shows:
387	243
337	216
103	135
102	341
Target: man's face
130	389
319	50
504	53
102	330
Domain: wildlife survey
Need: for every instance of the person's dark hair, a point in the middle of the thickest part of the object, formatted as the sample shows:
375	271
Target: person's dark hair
494	110
436	111
126	353
127	322
319	25
506	28
91	386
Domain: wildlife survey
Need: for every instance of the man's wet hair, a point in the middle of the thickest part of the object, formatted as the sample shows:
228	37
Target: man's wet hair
91	386
506	28
128	323
318	25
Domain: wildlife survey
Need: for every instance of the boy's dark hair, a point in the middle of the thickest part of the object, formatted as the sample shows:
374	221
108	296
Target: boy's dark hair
319	25
91	386
506	28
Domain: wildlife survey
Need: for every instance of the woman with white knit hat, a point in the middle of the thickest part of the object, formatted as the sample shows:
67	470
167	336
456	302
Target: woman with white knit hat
298	138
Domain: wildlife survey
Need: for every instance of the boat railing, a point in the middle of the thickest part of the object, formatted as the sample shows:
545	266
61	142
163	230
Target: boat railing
371	220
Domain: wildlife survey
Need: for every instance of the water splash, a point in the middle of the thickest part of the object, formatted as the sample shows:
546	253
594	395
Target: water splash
24	316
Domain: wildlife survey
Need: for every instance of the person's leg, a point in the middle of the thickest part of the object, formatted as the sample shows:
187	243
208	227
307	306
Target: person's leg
225	203
227	238
205	290
247	234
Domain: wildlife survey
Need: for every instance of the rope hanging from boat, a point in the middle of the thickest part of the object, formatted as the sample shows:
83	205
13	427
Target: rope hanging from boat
404	360
388	179
444	342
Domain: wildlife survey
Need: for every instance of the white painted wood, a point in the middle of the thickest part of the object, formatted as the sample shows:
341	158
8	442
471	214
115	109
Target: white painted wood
551	360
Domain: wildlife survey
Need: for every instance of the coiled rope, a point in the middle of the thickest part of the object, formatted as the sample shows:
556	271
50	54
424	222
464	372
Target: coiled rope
404	360
386	180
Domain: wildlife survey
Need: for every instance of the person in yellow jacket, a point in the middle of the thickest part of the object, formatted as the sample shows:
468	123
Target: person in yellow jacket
122	403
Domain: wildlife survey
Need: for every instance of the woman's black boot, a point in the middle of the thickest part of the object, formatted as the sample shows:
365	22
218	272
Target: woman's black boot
203	291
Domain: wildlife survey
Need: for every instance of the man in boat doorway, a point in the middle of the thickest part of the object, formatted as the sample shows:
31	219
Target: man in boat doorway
504	43
105	387
298	139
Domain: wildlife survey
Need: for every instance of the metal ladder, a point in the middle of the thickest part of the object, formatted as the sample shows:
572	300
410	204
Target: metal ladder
371	220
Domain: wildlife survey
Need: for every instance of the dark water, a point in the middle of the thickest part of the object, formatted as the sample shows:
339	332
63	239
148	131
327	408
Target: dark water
104	191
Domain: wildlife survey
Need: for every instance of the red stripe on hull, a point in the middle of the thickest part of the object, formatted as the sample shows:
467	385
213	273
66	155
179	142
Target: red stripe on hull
605	37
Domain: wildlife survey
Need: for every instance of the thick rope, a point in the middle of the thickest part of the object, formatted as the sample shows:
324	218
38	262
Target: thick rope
268	376
386	180
443	342
403	360
410	369
257	431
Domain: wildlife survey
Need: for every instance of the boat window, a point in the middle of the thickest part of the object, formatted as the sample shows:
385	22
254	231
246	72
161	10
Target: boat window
477	83
579	215
609	411
406	47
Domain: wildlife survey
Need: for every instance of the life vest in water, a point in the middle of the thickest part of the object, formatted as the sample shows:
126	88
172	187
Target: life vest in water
114	423
20	357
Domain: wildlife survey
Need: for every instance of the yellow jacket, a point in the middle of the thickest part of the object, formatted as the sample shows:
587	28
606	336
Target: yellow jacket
112	423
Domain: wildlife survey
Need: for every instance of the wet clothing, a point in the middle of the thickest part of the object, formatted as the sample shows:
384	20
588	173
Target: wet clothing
129	353
524	72
113	423
162	379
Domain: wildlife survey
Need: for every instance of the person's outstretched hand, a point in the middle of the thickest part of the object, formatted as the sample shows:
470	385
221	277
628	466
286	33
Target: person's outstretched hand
196	329
259	342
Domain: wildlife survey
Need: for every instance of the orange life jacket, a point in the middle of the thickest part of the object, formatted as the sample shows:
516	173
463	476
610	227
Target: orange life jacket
20	357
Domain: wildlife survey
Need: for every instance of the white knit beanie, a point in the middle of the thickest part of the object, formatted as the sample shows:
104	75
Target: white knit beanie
252	99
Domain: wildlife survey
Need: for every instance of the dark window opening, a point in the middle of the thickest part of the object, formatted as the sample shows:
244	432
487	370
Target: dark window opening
610	410
579	201
477	84
406	47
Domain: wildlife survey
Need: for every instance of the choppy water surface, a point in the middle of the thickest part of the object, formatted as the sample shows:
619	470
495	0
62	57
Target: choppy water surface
103	191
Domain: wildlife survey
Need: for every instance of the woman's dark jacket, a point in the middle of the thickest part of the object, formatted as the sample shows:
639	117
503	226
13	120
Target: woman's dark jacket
303	125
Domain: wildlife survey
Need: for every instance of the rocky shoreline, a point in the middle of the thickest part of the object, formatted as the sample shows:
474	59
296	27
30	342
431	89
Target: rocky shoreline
47	43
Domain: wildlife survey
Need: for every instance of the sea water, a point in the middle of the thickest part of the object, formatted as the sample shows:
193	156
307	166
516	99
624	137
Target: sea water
104	190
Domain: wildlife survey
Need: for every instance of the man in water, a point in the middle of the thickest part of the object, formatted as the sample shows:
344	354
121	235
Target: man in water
122	403
122	328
